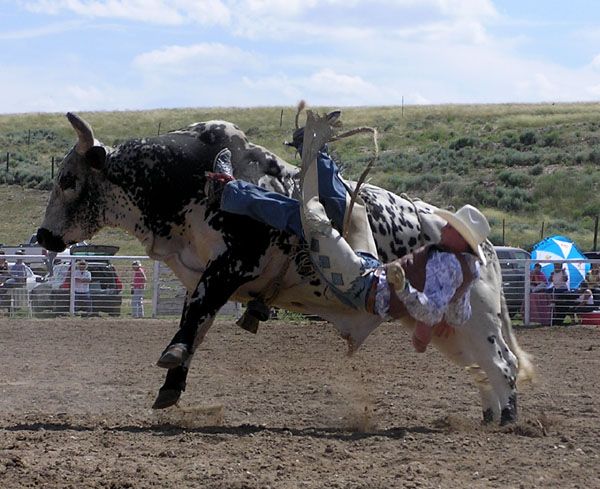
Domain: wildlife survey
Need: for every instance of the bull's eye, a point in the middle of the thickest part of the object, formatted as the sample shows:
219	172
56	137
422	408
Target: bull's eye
67	182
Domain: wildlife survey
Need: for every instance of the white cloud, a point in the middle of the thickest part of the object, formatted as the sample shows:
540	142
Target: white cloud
267	52
329	82
206	58
416	98
595	64
443	32
166	12
46	30
323	87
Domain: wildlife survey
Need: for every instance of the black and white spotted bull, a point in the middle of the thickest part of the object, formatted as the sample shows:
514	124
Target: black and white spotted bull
154	188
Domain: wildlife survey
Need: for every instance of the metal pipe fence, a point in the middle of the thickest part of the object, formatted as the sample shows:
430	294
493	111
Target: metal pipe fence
93	285
115	289
544	304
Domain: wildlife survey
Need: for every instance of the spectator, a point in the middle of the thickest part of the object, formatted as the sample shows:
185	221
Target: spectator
560	287
18	272
4	272
539	282
60	282
593	276
138	285
559	278
82	278
4	276
585	302
60	273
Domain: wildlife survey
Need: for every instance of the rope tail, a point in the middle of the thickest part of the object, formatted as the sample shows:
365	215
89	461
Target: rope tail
363	175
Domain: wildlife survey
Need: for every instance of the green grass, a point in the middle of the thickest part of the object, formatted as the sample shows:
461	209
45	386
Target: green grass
524	164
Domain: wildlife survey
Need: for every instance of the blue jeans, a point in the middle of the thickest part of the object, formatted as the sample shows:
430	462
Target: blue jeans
83	302
281	212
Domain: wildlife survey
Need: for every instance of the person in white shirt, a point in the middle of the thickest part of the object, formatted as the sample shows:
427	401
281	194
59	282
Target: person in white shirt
60	282
60	273
585	301
82	278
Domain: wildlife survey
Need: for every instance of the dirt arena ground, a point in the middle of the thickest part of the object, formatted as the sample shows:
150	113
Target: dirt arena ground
284	409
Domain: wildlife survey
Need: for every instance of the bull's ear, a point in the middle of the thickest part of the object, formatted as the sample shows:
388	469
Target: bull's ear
96	157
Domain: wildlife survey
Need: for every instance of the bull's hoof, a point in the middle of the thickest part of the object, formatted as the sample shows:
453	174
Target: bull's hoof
488	416
166	398
509	413
174	356
248	322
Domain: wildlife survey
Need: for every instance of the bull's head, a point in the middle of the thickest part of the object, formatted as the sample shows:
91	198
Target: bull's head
76	206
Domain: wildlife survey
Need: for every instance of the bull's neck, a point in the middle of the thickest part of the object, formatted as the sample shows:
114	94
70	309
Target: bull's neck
122	213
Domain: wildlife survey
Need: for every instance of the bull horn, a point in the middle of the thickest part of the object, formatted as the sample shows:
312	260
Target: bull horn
84	133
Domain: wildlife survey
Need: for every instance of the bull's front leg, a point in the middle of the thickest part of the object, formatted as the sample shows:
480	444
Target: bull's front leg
216	286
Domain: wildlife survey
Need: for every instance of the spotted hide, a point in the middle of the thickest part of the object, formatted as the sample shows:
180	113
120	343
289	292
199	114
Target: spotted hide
154	188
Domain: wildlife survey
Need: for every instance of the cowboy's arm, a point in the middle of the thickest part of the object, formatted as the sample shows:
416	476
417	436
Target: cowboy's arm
459	310
443	277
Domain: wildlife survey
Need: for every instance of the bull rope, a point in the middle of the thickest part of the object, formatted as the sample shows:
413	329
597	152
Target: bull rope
363	175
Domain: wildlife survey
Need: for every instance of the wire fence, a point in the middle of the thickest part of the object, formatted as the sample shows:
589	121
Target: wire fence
92	285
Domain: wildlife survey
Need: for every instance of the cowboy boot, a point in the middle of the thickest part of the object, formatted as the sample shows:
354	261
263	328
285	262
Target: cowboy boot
331	254
298	135
221	175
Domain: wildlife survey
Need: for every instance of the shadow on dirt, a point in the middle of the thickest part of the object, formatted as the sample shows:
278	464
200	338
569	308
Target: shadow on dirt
239	431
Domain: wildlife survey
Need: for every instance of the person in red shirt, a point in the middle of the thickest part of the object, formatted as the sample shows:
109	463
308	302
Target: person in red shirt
539	282
138	285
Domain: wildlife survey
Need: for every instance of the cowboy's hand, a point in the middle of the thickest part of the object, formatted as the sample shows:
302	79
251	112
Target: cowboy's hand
395	275
421	336
443	330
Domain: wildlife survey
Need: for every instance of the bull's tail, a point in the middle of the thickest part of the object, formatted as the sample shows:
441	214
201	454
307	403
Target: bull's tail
526	369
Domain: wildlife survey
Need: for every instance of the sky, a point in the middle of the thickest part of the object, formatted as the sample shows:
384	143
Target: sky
61	55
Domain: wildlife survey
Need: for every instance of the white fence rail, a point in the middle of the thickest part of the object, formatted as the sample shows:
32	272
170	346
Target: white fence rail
114	289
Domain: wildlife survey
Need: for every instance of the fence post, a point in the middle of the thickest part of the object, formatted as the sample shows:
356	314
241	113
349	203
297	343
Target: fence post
281	118
595	235
7	160
503	231
52	171
72	289
526	289
158	132
155	288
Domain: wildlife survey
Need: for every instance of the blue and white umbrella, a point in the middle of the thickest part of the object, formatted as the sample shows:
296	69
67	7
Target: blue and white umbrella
558	248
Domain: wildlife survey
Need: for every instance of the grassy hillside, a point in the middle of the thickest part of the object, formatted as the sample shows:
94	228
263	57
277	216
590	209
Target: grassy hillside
523	164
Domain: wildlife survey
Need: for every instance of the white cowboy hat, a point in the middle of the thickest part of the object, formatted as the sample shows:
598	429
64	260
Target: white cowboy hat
471	224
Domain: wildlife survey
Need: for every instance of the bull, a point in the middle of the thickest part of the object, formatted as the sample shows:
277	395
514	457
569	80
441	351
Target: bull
154	188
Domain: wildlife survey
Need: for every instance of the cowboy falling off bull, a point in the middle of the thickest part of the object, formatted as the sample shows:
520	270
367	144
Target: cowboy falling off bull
430	287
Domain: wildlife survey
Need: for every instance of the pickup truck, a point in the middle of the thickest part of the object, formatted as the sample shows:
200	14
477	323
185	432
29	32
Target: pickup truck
37	258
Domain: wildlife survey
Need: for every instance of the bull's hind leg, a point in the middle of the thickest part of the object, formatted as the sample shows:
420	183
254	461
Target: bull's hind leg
455	349
491	354
481	348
